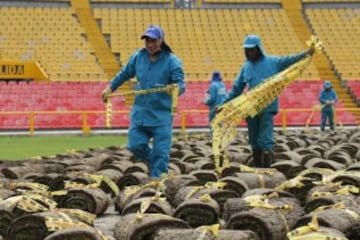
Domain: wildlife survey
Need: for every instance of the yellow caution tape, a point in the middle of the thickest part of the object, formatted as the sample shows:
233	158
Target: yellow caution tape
263	203
80	214
50	203
340	205
101	178
216	185
173	89
71	184
193	191
147	202
322	171
29	185
314	109
348	189
29	205
10	203
295	182
317	236
261	197
62	221
343	190
213	229
245	168
205	198
311	232
251	103
58	193
108	113
102	235
208	185
130	191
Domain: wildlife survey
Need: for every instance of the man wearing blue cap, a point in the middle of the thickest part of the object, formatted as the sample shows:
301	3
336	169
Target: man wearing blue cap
327	98
258	67
153	66
215	95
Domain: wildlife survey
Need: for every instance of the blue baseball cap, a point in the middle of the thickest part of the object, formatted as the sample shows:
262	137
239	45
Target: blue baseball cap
153	32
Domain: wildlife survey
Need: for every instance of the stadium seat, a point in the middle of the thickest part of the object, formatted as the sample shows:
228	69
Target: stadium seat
204	39
342	51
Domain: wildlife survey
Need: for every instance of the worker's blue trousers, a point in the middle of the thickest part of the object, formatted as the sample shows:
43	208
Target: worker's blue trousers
261	129
327	115
156	155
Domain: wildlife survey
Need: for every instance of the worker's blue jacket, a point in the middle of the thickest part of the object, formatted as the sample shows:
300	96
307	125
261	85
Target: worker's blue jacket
216	95
254	73
152	109
327	95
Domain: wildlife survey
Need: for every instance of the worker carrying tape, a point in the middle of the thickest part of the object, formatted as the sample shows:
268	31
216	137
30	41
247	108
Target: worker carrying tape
266	77
160	80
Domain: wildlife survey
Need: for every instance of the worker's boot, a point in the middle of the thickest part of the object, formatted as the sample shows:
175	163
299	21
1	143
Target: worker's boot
266	159
257	158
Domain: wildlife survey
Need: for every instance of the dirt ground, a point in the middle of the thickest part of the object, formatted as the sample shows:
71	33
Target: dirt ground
106	223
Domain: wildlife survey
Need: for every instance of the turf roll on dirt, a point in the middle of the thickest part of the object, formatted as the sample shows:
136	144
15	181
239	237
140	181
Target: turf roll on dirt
144	226
319	199
288	167
336	216
85	233
212	189
17	172
155	204
269	218
172	184
204	176
198	211
261	178
39	225
6	219
130	179
234	184
131	193
291	213
93	200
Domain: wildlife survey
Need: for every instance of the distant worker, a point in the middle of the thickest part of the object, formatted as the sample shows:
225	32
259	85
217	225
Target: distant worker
215	95
327	99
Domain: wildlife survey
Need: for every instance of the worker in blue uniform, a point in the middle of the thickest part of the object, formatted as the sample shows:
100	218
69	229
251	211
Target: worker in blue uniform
154	66
259	66
327	98
215	95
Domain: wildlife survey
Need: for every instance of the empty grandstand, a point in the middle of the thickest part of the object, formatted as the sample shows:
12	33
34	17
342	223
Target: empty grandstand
81	44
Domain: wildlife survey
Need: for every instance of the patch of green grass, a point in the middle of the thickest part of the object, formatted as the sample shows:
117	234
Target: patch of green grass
23	147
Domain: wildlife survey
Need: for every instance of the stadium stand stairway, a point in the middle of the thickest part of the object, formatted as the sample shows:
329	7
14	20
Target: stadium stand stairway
298	19
102	50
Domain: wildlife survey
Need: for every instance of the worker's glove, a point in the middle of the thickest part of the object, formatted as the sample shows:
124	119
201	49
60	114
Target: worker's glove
311	50
218	109
106	93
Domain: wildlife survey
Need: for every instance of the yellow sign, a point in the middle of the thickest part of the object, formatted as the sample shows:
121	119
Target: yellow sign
22	70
